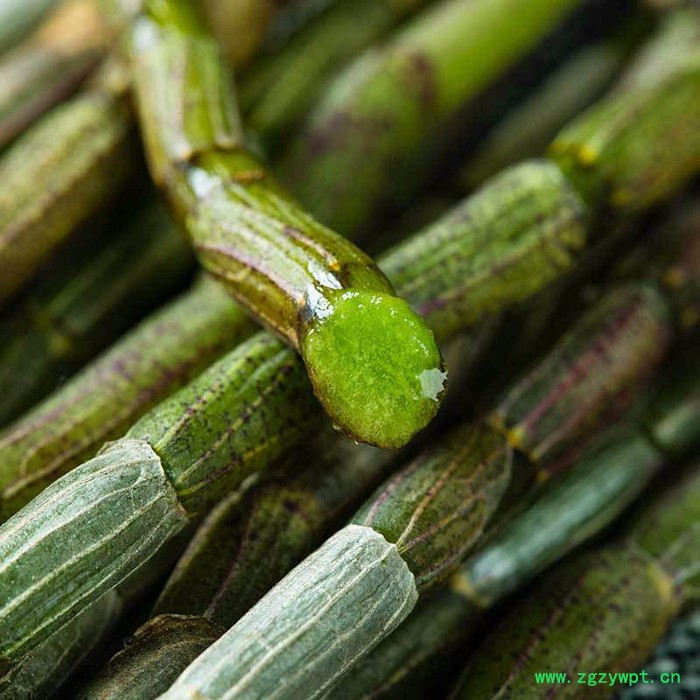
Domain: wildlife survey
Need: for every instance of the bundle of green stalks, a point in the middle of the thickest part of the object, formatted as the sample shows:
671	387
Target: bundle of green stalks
251	476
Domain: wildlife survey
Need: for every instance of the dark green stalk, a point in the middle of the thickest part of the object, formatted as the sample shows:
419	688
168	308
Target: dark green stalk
154	360
49	66
254	406
554	519
605	610
63	169
281	88
527	130
366	351
162	644
431	513
392	100
85	304
53	661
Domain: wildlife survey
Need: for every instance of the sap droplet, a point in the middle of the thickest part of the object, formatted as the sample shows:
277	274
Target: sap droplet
432	382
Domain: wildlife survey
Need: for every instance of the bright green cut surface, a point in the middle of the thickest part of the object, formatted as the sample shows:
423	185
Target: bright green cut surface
375	367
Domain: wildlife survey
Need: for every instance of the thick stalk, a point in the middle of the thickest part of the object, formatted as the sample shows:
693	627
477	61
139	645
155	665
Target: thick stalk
220	448
365	350
163	354
391	100
623	154
67	166
52	662
187	637
611	473
61	172
154	360
606	610
254	405
436	508
50	65
527	130
87	302
281	88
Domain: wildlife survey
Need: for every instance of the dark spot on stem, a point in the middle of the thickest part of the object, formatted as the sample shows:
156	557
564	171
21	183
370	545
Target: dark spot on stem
420	76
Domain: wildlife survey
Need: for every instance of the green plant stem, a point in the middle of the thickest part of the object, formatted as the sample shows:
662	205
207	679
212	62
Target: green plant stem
606	609
58	174
365	350
554	518
151	362
641	142
63	170
281	88
434	510
86	303
392	100
49	66
265	352
252	406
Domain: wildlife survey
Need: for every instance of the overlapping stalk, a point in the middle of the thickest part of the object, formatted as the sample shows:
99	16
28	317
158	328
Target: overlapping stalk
47	667
86	303
50	65
540	232
605	610
367	353
280	89
554	519
390	102
62	171
58	174
526	131
432	512
155	359
250	408
18	19
244	548
139	449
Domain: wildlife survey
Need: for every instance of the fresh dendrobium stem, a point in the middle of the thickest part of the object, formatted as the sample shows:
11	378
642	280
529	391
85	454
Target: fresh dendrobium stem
255	405
368	354
244	548
610	474
548	411
434	510
280	88
605	610
445	281
148	364
388	103
628	152
86	302
279	523
59	173
50	65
